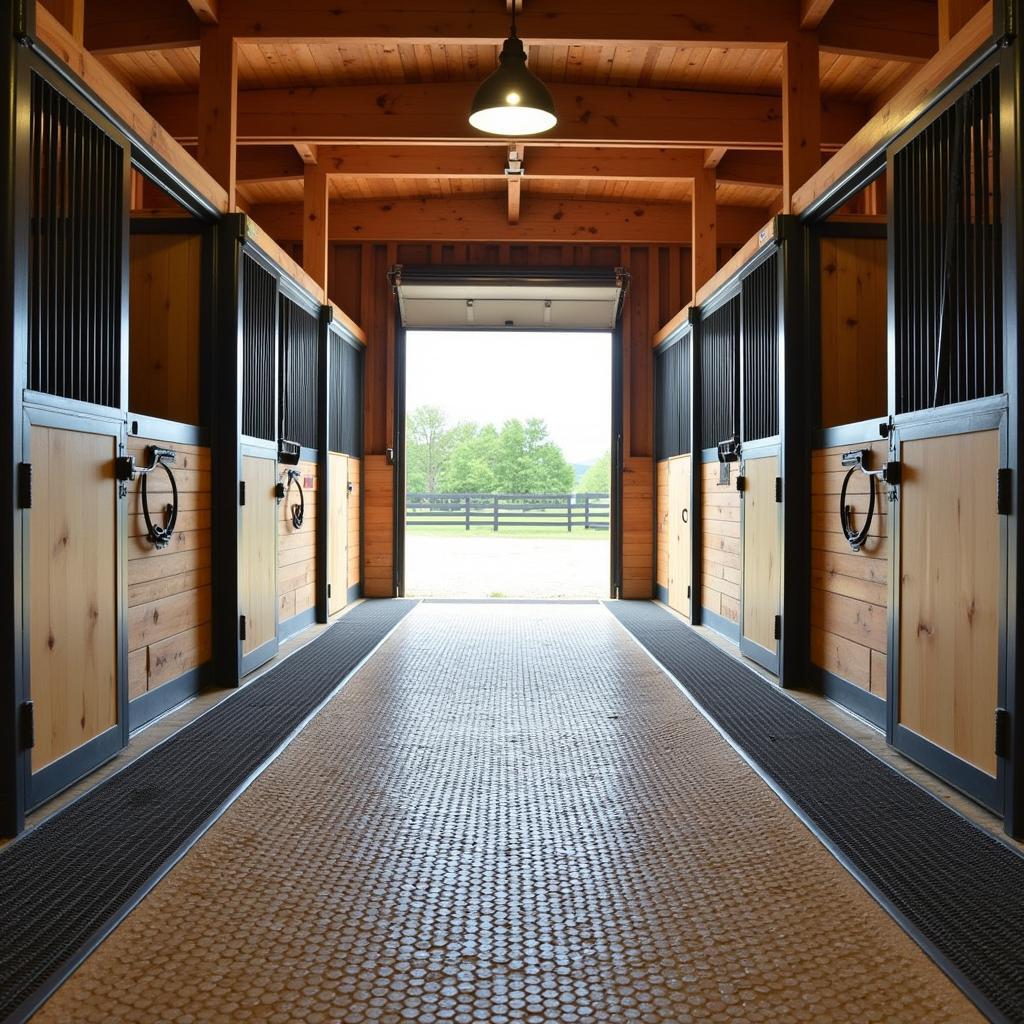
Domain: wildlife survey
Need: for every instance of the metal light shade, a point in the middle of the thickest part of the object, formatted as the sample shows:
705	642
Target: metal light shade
512	100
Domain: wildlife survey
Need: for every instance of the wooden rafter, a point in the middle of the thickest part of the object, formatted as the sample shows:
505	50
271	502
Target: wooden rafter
881	29
484	218
307	152
588	115
204	10
699	23
812	12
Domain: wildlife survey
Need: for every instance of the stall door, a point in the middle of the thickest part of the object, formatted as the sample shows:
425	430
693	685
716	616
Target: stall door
337	533
679	558
76	682
257	566
948	582
762	555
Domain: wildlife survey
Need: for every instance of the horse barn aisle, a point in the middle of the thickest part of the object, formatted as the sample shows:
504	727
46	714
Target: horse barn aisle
508	814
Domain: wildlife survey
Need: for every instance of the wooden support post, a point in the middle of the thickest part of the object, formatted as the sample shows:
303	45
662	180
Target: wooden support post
71	14
315	207
513	171
953	15
704	212
218	106
801	114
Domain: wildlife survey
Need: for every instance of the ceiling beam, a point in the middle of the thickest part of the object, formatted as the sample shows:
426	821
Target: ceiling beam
588	115
593	22
484	219
881	29
111	26
267	164
813	11
902	35
204	10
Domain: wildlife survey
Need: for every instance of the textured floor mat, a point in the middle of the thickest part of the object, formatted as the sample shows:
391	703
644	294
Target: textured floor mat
960	890
63	884
509	815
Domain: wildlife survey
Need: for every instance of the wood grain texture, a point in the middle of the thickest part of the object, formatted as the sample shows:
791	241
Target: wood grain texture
165	281
663	517
721	563
762	555
296	549
337	532
257	564
72	581
853	329
949	593
849	590
355	505
679	534
169	604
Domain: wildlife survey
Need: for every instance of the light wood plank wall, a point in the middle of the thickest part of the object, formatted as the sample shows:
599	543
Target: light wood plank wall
169	616
853	329
721	561
660	285
165	281
296	549
355	479
661	483
849	590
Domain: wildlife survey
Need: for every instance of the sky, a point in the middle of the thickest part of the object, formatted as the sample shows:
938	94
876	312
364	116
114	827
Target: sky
493	376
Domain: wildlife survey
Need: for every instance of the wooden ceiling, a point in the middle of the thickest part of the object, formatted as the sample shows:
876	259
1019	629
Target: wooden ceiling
652	99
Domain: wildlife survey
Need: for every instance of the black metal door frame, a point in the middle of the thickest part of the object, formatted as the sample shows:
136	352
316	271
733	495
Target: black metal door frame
397	456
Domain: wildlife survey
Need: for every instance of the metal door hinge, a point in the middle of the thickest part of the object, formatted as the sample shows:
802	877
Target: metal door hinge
741	482
24	485
27	727
328	590
687	591
778	489
1003	741
241	627
778	627
241	492
1004	494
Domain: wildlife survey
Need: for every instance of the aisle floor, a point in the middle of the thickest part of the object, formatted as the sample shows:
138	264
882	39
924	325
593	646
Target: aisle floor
508	814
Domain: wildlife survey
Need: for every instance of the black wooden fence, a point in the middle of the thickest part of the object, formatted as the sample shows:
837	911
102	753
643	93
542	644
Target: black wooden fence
589	511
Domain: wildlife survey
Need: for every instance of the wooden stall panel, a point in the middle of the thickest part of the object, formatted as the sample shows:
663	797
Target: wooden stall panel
296	549
257	569
165	282
169	611
721	568
679	537
337	532
73	590
378	516
849	589
355	498
662	512
637	542
949	593
762	556
854	314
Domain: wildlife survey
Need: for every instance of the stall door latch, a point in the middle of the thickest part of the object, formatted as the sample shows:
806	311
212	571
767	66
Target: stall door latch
28	725
1004	493
1003	743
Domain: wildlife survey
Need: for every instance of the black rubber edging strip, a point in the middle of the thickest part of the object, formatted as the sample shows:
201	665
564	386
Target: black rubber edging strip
970	988
70	963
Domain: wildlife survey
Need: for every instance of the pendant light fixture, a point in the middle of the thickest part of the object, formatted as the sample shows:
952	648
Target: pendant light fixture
512	100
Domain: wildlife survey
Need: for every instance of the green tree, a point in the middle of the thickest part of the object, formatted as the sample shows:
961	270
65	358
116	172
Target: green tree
529	462
428	445
470	468
598	477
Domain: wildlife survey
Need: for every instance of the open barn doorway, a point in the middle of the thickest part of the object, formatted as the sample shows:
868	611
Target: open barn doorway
507	452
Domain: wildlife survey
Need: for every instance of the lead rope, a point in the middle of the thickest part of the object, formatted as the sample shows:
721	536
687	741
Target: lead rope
856	538
160	535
